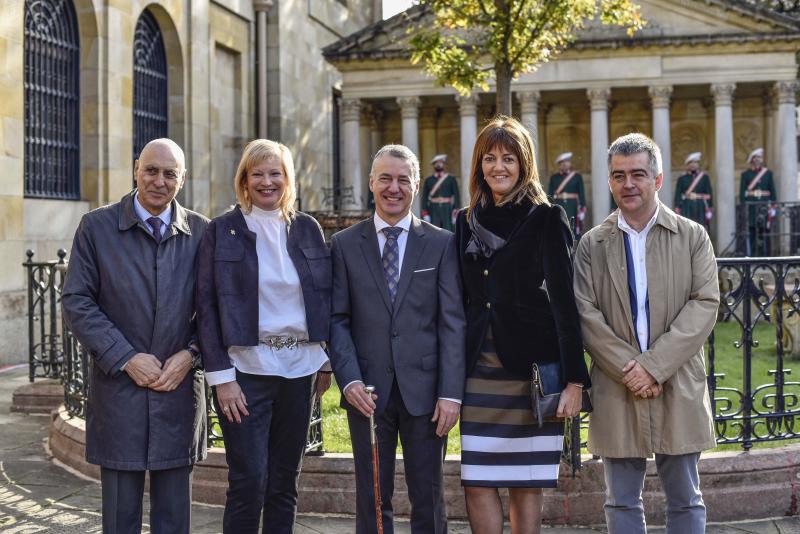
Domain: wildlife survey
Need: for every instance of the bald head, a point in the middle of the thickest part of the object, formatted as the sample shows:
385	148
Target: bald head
160	172
166	146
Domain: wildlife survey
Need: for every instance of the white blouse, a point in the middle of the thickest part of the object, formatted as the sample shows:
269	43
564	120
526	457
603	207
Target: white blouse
281	311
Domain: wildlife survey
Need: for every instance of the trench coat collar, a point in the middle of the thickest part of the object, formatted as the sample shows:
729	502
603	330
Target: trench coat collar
615	257
128	218
667	218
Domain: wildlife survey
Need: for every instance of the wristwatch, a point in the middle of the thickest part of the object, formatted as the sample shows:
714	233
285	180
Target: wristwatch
196	361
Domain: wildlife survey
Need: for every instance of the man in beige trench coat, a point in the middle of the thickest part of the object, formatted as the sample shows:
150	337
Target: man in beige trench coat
646	287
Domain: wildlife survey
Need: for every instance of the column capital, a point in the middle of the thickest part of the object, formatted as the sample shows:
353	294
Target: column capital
262	5
660	95
374	117
769	99
366	111
785	91
468	104
598	98
528	100
409	106
351	109
723	93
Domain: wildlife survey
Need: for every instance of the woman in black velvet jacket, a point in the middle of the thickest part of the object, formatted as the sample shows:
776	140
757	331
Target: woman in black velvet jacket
516	270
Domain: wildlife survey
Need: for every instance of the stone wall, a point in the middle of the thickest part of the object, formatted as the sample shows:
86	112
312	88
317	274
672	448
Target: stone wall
301	84
198	37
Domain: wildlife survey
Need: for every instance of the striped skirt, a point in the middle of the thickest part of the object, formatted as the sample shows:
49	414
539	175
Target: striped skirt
501	445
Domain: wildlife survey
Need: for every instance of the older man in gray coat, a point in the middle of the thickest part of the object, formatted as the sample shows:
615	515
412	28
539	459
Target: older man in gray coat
129	299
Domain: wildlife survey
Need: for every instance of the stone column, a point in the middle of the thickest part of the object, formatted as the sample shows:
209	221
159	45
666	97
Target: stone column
725	192
365	150
468	110
351	149
601	204
261	7
376	119
660	97
787	140
770	128
529	113
409	111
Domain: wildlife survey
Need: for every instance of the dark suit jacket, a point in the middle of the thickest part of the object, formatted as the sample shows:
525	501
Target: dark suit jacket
529	324
420	340
227	284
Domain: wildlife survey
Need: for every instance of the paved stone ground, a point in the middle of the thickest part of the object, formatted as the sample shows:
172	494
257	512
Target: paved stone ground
38	495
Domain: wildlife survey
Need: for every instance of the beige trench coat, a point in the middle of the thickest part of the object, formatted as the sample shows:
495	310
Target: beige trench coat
684	299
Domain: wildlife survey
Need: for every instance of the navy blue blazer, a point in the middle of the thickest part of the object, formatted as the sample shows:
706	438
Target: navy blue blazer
227	284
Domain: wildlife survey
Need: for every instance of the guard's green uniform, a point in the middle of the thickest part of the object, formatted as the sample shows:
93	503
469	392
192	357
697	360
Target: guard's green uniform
757	219
440	205
693	204
571	197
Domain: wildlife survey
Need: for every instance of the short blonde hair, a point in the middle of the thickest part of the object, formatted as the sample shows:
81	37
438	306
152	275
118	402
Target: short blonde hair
510	134
257	151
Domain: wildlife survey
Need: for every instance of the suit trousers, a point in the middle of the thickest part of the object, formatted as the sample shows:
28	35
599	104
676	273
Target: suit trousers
423	456
686	513
264	453
170	500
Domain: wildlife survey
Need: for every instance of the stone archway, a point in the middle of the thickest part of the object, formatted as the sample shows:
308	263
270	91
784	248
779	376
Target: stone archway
176	86
91	128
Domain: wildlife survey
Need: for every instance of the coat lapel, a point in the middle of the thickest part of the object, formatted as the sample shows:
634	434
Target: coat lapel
615	256
369	248
415	245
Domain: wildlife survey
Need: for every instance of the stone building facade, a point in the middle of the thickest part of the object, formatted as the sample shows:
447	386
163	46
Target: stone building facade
99	76
714	76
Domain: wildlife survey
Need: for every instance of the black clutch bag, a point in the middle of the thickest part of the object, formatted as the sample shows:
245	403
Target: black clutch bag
546	388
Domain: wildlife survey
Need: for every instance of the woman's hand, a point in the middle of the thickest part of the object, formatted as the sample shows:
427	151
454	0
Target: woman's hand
570	403
231	401
323	383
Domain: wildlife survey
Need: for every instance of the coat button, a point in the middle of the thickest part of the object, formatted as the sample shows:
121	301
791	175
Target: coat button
486	272
389	370
488	305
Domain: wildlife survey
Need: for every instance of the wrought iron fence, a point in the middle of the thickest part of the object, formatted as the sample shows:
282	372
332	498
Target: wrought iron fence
333	221
767	229
44	281
56	353
760	301
749	356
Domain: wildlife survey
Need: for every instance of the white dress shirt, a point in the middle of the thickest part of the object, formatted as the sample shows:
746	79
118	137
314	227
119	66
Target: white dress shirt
281	309
143	214
638	243
402	239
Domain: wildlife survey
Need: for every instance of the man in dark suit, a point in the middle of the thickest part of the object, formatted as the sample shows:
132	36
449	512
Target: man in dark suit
129	299
398	324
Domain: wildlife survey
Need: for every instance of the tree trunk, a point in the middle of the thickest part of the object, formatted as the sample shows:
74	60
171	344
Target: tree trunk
503	75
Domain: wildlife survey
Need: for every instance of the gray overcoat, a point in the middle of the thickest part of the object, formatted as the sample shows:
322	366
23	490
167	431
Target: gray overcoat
125	294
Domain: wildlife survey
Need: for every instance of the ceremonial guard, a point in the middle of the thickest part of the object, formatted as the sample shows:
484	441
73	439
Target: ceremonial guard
566	190
440	196
693	194
756	188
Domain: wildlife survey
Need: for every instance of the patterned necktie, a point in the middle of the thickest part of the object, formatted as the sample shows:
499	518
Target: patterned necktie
156	223
391	259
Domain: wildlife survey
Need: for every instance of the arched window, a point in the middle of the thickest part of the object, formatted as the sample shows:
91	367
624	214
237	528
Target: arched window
52	63
149	83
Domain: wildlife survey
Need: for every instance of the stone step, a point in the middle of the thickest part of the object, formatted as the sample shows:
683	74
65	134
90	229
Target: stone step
40	397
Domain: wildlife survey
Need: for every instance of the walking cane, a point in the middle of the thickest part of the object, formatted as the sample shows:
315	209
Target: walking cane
376	486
